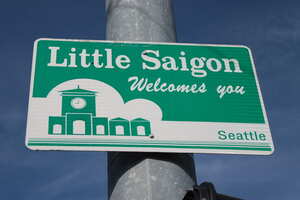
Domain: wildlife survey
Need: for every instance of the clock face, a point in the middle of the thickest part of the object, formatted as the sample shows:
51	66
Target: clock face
78	103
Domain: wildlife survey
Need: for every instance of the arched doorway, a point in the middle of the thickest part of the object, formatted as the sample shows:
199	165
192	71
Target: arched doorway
119	130
78	127
100	130
57	129
141	130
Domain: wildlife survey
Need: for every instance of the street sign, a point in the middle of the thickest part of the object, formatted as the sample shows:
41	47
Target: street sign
148	97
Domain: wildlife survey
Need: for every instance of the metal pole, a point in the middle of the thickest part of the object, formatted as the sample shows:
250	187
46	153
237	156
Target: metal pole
145	176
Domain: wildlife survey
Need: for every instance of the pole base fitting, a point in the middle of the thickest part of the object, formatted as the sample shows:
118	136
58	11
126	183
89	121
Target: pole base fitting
206	191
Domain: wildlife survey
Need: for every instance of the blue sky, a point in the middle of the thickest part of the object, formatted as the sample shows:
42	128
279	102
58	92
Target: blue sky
270	28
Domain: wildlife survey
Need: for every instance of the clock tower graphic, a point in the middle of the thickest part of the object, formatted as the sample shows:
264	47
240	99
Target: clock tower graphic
78	117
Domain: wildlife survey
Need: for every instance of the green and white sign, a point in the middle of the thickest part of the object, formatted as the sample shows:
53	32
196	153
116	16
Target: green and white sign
152	97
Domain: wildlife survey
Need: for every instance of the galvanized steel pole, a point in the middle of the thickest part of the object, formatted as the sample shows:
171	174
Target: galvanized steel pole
145	176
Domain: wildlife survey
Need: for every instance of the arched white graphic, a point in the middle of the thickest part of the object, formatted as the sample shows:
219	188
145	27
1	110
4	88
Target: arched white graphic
100	130
119	130
57	129
141	130
78	127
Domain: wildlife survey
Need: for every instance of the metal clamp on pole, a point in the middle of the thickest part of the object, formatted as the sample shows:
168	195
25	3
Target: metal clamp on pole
206	191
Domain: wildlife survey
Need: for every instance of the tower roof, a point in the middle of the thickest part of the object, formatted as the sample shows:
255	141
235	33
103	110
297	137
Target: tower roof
118	119
77	91
140	120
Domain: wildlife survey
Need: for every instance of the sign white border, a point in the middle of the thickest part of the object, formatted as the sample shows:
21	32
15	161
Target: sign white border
119	144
